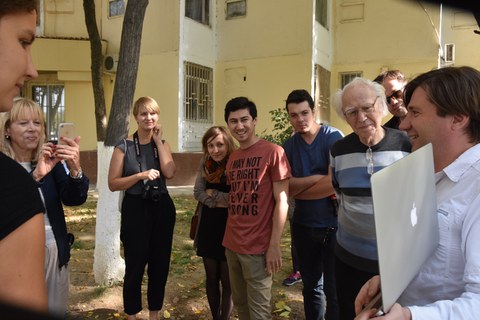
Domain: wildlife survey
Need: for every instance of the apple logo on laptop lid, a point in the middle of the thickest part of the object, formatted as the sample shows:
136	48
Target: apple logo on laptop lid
413	215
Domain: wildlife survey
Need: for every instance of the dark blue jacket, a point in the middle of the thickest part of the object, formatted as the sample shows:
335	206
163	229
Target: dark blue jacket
57	188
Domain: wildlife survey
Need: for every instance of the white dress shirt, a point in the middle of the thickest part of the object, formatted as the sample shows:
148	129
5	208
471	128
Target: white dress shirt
448	284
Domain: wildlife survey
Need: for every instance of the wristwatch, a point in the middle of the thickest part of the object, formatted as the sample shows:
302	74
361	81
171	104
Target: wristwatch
78	176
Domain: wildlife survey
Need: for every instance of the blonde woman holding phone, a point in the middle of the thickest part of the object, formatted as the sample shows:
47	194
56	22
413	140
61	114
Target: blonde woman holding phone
23	132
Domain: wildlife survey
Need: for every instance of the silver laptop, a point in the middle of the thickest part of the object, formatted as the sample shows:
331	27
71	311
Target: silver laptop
404	203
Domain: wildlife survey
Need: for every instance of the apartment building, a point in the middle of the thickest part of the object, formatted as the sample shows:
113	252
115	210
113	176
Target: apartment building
197	54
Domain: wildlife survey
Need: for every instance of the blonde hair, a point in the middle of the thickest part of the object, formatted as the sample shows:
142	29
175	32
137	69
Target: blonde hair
23	108
148	102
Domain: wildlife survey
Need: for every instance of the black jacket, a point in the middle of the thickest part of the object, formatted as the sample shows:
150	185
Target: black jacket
59	188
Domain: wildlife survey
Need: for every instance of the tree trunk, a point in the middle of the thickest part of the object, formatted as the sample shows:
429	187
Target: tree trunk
126	79
108	266
96	68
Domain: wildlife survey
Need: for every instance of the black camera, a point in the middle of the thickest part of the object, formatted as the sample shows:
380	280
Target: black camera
151	190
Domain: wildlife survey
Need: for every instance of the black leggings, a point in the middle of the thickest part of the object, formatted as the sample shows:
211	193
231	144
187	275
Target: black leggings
220	301
146	233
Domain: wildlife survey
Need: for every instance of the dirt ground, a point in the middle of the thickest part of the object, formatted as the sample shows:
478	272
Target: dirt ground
185	292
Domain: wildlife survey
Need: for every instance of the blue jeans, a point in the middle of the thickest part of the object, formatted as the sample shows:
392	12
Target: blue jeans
315	249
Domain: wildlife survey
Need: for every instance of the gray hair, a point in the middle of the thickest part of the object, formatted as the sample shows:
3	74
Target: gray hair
378	89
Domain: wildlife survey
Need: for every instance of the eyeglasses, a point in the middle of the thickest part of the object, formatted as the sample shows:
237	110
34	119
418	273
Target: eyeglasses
395	94
369	156
352	113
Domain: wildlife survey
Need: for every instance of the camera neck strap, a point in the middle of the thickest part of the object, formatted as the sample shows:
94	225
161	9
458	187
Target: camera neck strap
138	152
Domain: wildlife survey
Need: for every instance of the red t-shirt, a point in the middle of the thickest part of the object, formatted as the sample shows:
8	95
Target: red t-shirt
250	174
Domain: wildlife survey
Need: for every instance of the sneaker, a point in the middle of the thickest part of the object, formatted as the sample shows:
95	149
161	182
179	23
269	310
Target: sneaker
292	279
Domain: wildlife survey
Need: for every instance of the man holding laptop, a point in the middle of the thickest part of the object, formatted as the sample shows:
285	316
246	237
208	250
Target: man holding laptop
444	109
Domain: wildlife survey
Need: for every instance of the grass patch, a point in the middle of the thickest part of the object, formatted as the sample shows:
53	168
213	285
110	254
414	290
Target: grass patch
78	245
99	291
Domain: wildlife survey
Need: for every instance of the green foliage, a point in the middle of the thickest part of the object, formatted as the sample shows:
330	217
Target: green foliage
282	309
282	130
99	291
78	245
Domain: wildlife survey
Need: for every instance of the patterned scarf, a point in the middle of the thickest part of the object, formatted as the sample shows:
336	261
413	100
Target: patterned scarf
214	172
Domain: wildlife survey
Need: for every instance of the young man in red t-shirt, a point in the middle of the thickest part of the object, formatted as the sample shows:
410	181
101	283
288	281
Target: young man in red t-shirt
258	174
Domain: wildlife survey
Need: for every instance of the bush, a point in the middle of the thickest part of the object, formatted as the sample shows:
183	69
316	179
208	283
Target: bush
282	130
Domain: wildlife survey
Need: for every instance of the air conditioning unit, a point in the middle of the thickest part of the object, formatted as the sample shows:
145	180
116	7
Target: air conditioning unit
110	62
449	53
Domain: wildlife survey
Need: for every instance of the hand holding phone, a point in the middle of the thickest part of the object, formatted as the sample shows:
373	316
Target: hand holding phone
66	129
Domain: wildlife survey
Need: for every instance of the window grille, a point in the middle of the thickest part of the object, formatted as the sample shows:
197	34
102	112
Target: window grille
51	99
197	105
346	77
198	92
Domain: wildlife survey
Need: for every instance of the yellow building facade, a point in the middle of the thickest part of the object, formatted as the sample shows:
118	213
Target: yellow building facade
198	54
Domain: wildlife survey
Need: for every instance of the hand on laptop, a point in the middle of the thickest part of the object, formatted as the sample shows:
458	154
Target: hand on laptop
397	312
366	314
369	292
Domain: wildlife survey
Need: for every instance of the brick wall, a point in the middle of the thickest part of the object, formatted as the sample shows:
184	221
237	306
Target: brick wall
187	165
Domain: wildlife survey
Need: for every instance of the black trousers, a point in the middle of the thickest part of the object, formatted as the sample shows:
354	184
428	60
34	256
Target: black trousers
349	282
146	233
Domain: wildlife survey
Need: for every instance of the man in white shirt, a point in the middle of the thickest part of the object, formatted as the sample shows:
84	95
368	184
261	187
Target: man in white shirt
444	109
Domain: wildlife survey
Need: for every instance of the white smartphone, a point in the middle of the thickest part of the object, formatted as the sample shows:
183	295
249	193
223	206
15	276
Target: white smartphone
66	129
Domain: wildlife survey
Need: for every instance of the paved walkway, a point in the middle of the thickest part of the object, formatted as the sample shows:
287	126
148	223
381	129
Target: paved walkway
173	190
180	190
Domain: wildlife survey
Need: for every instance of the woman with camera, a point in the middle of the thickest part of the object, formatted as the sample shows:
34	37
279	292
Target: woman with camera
22	131
139	166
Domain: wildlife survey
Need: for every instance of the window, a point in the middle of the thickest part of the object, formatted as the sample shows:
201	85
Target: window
346	77
321	12
198	10
40	19
236	8
51	99
198	92
322	94
197	105
116	8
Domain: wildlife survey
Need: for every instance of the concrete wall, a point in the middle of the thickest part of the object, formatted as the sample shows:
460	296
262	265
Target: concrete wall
264	55
374	35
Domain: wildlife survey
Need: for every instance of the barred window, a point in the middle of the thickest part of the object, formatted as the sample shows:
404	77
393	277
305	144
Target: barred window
346	77
51	98
198	103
